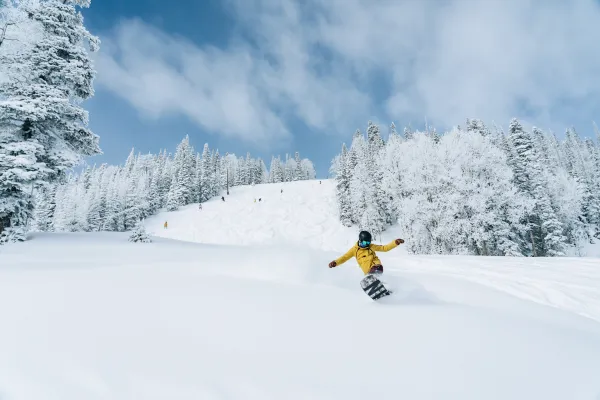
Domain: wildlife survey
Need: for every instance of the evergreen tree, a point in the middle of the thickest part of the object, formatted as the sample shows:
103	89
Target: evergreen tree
40	116
139	234
393	133
184	165
45	205
545	230
96	200
276	170
174	194
343	188
208	175
477	126
298	175
133	206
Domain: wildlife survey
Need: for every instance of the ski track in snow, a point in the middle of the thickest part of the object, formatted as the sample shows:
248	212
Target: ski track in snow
550	282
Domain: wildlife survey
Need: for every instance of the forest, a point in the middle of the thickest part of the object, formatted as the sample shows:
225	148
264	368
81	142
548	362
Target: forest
116	198
474	190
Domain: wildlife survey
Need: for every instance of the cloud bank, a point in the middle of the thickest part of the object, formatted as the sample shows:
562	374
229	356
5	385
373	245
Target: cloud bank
333	63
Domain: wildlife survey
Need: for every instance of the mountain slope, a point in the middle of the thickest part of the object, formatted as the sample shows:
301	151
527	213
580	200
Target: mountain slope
305	214
251	311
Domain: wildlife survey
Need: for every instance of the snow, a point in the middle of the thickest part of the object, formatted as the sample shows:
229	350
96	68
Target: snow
303	215
251	311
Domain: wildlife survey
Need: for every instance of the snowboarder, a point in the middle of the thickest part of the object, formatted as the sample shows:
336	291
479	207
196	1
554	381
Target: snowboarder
365	254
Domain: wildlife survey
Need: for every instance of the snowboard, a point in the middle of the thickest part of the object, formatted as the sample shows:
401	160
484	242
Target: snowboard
373	287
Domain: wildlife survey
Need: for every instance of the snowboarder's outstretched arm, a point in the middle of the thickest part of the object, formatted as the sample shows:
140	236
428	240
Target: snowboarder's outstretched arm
387	247
343	258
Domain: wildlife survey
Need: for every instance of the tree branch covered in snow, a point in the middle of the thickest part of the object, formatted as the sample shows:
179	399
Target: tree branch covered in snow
473	190
115	198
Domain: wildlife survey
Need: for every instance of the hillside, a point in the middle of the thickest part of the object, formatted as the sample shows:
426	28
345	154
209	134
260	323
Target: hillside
251	311
304	214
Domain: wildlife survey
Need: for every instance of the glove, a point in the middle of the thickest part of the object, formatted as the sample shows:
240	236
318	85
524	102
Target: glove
332	264
399	241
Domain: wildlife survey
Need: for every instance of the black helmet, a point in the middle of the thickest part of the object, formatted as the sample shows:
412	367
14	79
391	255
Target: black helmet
364	239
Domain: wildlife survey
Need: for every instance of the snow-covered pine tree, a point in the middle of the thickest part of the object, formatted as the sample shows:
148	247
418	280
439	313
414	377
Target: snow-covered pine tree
263	174
298	173
364	203
375	151
218	172
174	195
133	200
222	172
40	117
276	172
545	230
571	155
247	170
342	187
230	170
392	131
68	215
130	162
477	126
198	178
166	175
391	177
214	190
96	199
139	234
184	164
208	175
155	192
239	171
44	207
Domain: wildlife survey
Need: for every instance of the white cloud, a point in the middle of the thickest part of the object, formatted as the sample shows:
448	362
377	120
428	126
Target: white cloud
164	75
316	60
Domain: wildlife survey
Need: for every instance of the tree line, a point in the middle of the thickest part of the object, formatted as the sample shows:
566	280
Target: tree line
474	190
116	198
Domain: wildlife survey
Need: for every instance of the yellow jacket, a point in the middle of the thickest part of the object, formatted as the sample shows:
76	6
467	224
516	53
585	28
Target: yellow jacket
366	258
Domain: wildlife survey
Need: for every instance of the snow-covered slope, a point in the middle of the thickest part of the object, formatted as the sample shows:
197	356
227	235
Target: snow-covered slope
304	214
92	316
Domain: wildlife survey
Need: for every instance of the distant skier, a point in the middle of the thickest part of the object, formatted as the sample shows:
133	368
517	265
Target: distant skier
222	198
200	206
165	225
364	251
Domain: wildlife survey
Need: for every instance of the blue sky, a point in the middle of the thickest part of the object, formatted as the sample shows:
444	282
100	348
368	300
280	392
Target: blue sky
272	77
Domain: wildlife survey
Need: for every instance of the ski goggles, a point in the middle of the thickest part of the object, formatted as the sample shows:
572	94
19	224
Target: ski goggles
364	243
